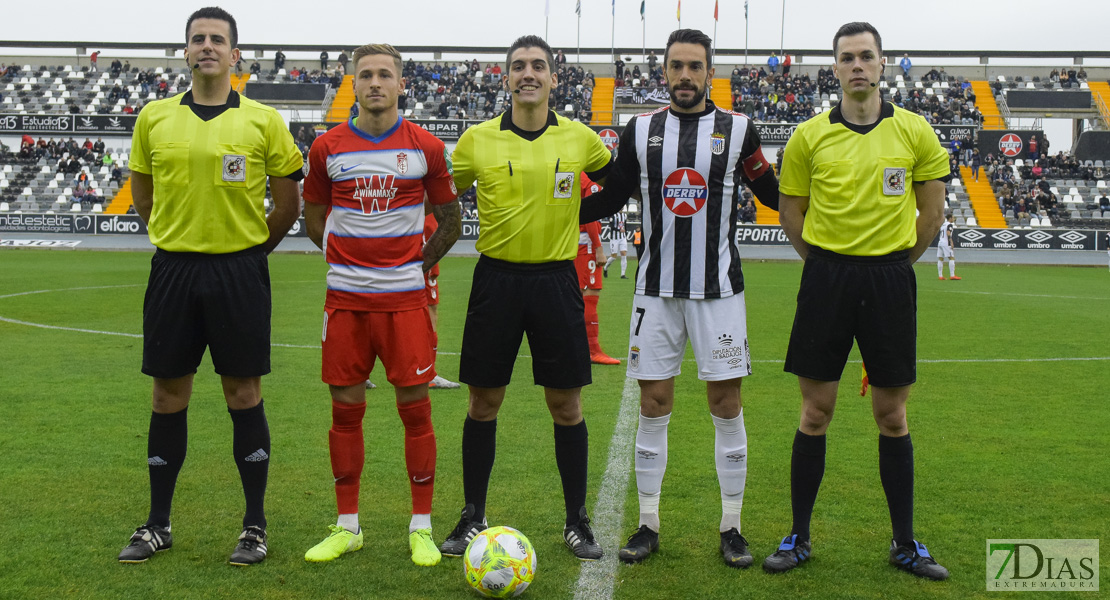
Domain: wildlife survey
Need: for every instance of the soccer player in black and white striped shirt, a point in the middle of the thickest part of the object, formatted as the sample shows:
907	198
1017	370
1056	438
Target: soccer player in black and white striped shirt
686	163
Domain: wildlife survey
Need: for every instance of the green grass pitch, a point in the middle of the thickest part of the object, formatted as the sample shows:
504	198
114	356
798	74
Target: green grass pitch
1011	436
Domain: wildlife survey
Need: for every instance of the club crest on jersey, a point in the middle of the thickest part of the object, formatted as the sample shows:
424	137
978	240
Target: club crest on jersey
235	167
374	192
685	192
564	184
894	181
402	163
634	358
717	143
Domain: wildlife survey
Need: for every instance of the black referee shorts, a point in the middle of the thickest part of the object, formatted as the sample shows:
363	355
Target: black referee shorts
872	299
219	301
508	300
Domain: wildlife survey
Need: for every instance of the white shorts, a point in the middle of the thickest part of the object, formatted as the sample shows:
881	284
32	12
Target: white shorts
618	243
945	252
717	330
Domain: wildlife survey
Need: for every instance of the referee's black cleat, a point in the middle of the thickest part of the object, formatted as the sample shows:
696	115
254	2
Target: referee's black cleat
916	559
459	538
580	538
734	549
640	545
251	548
146	540
790	554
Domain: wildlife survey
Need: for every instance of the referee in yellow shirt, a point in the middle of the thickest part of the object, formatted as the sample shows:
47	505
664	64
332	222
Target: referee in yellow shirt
200	163
526	164
851	180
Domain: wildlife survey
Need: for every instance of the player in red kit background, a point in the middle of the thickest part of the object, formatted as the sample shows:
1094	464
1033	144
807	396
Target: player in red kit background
589	255
431	288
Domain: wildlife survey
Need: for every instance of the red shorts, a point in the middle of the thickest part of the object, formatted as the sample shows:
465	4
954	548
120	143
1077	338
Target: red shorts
354	339
587	270
431	286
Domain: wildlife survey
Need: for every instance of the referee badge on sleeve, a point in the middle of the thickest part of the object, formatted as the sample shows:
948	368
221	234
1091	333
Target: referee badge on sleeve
564	184
235	167
894	181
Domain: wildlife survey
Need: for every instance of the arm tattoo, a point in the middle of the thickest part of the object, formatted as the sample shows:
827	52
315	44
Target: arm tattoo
449	218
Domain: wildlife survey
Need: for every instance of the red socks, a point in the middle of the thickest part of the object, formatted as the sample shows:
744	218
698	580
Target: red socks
348	453
591	322
420	453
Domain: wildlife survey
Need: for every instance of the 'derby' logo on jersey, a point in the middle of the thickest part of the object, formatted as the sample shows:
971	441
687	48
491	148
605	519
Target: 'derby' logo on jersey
685	192
374	192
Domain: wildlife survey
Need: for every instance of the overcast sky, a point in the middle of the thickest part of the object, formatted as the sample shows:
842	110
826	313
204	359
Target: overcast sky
932	24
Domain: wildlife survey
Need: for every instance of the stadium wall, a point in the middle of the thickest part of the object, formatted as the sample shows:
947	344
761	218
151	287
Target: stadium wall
746	235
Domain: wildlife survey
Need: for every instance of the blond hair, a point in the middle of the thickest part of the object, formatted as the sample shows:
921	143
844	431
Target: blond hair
372	49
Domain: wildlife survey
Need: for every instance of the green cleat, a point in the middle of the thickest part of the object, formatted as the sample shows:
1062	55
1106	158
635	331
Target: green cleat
424	551
339	542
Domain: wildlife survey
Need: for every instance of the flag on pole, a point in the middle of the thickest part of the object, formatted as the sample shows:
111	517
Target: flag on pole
614	7
578	8
745	9
679	13
547	8
642	6
716	7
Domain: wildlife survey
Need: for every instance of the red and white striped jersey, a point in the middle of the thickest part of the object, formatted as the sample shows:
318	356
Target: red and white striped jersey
374	188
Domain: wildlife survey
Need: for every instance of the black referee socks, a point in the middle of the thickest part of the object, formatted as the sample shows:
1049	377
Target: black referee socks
896	473
807	468
251	446
479	448
572	453
165	453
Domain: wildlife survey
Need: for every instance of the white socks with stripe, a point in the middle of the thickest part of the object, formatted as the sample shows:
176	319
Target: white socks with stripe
731	454
651	464
624	264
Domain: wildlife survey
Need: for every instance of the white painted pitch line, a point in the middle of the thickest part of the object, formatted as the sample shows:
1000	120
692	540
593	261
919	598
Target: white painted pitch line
529	357
597	579
79	330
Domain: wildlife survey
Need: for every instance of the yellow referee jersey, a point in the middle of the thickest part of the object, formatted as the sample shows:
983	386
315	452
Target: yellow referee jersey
528	190
210	176
859	180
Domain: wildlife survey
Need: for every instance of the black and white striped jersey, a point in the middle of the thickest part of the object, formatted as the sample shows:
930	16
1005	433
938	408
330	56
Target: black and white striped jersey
688	169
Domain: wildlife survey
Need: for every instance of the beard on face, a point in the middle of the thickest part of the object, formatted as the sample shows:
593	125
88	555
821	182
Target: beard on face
699	95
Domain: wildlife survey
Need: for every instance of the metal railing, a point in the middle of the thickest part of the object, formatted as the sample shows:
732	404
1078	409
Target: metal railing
329	98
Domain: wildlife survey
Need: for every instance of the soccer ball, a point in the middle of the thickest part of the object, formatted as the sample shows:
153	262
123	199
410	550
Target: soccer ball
500	563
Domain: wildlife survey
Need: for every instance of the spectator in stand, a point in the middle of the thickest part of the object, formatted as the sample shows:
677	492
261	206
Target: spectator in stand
652	61
279	60
117	174
747	211
343	60
773	63
618	74
78	194
957	149
256	68
92	61
1021	210
1103	203
976	163
1032	151
906	66
115	68
324	60
90	198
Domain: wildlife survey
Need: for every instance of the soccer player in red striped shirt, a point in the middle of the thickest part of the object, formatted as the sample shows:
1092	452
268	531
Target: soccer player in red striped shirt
589	255
365	208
